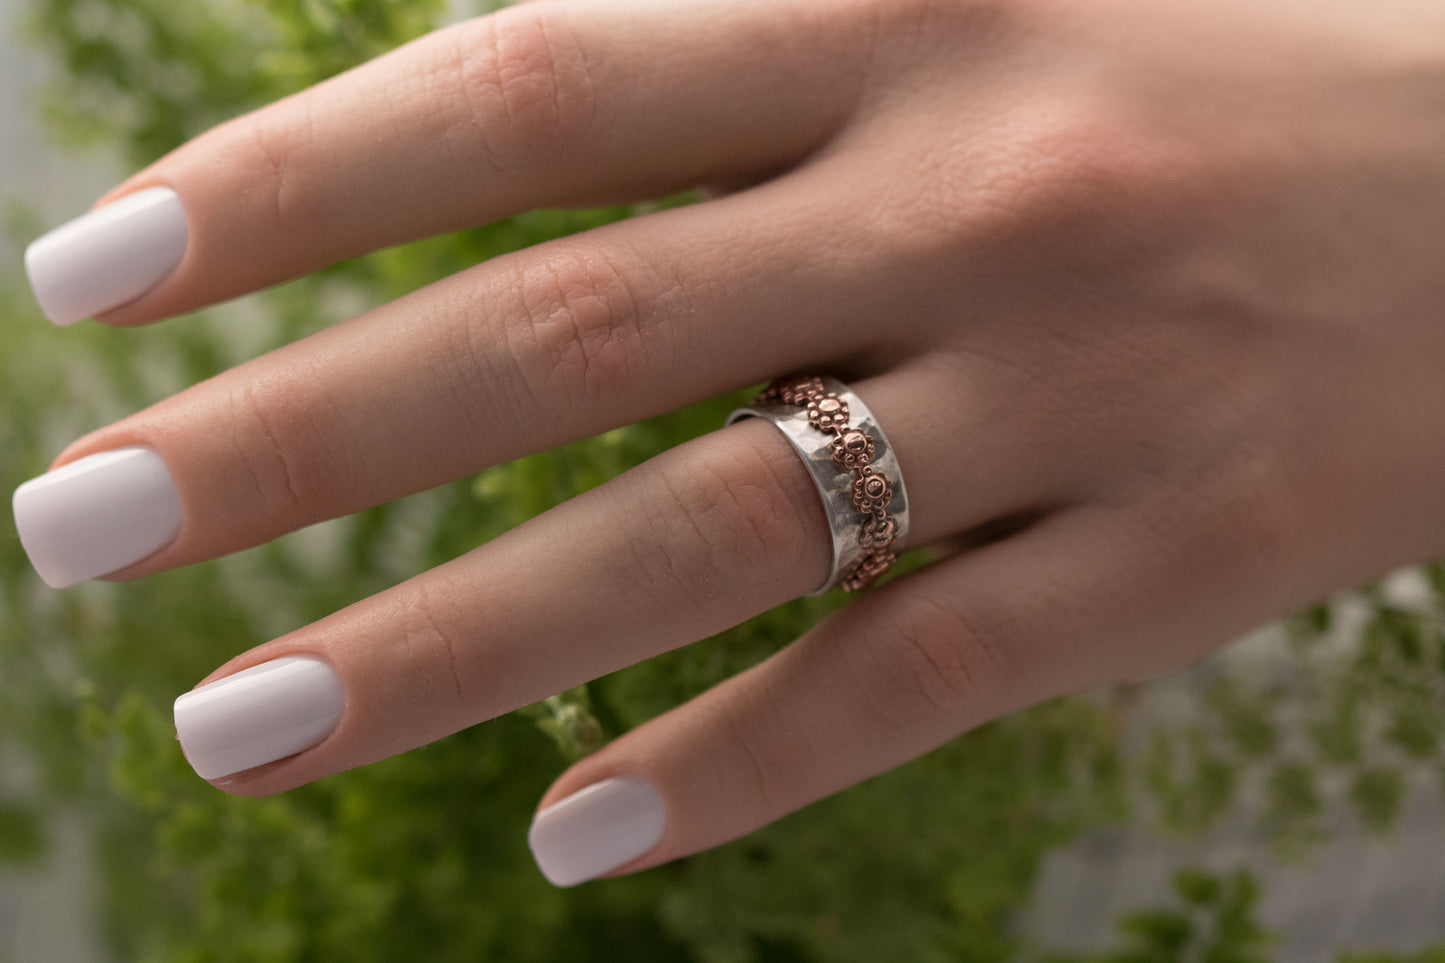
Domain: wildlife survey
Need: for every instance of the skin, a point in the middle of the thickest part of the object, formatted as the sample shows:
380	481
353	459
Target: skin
1145	294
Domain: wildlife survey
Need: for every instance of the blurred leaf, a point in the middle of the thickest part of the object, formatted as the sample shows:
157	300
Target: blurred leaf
23	840
1216	924
1198	887
1294	806
1378	793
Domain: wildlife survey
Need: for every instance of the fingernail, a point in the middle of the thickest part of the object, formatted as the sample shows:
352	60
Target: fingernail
597	829
97	515
107	257
261	714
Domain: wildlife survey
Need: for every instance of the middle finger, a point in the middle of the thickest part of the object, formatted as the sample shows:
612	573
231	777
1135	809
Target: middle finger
560	342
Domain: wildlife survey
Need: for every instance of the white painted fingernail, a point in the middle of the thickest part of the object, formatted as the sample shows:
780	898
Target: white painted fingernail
97	515
261	714
597	829
108	257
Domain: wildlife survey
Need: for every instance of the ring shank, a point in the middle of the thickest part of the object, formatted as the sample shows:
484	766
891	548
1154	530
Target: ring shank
833	481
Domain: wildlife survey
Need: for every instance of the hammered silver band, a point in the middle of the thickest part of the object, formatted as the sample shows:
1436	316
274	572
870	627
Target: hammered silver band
852	466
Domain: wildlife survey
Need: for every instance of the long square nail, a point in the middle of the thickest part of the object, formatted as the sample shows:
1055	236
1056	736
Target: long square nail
259	715
97	515
108	257
597	829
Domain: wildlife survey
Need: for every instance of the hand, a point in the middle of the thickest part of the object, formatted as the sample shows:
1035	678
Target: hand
1144	295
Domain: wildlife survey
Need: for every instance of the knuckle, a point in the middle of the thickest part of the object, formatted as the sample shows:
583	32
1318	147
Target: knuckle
774	772
1029	173
435	650
1068	176
278	153
1229	518
932	664
729	525
285	439
527	89
941	23
1068	154
581	338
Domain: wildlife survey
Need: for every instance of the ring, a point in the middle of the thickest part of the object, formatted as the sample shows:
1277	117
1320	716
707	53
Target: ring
852	466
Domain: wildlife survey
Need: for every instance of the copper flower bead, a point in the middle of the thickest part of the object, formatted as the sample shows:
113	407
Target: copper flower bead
828	413
798	392
871	491
867	570
878	531
852	449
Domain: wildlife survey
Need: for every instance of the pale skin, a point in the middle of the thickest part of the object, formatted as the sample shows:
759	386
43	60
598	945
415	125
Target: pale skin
1145	294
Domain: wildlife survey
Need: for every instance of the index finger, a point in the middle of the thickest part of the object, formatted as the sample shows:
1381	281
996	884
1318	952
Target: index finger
551	104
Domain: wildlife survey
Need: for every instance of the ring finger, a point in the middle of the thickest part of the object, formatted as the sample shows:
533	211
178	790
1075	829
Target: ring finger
689	543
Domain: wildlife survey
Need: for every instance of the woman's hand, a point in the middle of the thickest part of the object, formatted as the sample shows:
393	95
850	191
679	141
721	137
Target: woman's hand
1146	296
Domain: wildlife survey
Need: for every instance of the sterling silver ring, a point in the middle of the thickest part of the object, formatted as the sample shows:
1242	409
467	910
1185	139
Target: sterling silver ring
852	466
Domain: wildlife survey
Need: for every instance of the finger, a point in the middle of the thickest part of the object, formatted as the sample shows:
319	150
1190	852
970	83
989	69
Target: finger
511	357
1073	602
552	104
676	549
691	542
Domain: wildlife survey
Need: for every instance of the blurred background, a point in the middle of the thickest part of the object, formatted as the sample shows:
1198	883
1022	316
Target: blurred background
1279	802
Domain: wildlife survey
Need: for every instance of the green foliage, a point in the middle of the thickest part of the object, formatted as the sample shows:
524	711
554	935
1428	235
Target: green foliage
568	718
1294	809
426	852
149	74
22	839
1192	783
1377	793
1214	922
1356	709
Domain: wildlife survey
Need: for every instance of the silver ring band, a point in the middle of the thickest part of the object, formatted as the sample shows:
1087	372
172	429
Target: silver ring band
853	468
